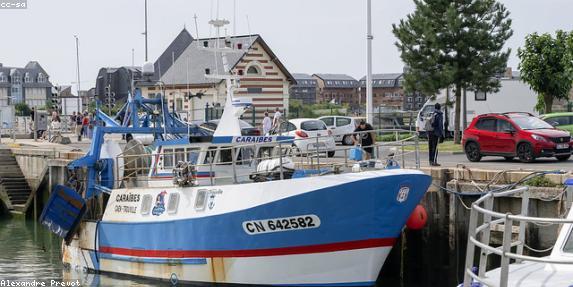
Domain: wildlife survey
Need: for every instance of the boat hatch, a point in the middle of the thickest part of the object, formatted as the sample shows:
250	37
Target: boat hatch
63	211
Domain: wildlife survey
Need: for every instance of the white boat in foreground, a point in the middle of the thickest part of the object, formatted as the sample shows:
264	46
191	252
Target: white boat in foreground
517	269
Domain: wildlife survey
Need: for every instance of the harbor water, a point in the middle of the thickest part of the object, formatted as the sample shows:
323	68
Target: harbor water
28	251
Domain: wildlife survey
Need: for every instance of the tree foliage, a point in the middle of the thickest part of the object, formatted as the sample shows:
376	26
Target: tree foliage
547	66
22	109
454	43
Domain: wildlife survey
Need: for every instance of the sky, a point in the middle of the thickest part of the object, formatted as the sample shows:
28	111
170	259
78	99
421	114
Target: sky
308	36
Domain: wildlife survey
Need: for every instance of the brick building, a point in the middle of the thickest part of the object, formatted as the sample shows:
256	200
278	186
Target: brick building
183	67
305	89
337	88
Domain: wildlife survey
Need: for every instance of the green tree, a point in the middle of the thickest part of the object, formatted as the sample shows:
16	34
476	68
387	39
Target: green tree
22	109
454	43
547	66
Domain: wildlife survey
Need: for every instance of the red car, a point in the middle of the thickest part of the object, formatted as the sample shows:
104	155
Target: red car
515	134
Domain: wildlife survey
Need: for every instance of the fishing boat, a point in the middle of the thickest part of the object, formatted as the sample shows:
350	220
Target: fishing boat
517	268
273	225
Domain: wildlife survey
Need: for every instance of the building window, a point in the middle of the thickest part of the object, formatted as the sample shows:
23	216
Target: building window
179	104
254	90
207	71
409	100
409	106
15	79
27	78
41	78
387	95
240	72
480	96
253	70
3	78
419	99
329	82
14	89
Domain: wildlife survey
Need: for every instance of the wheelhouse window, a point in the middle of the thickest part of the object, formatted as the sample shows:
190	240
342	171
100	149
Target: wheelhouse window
167	158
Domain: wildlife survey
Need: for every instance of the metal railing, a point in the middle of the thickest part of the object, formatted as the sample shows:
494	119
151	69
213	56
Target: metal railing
315	158
479	237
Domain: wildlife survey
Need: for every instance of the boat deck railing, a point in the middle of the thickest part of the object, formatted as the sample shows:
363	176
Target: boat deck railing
136	166
483	220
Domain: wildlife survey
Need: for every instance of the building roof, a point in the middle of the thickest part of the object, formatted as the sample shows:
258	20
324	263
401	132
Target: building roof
301	76
172	53
337	81
388	80
32	70
334	77
304	80
190	66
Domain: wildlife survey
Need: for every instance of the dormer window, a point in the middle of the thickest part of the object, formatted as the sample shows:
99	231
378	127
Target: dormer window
3	78
41	78
207	71
253	70
15	79
205	44
27	78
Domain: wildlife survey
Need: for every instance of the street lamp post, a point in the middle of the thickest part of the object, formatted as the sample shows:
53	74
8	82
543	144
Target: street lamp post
369	37
78	69
145	33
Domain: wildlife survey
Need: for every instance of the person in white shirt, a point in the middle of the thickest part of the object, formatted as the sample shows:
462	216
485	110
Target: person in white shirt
267	124
277	117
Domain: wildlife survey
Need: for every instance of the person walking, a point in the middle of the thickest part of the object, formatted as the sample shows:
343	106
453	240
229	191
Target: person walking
277	117
85	124
73	122
79	131
365	137
267	124
435	130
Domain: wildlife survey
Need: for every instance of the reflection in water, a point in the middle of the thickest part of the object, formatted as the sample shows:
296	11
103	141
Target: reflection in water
29	251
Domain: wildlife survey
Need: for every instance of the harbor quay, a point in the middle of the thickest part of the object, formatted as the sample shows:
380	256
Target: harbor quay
431	256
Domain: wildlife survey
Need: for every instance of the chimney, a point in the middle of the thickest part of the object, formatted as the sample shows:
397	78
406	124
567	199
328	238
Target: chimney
508	73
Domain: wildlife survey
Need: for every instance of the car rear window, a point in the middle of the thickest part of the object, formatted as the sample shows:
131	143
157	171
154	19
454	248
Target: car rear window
486	124
328	121
342	122
315	125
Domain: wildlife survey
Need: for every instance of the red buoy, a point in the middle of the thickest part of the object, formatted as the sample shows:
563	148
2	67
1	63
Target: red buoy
418	218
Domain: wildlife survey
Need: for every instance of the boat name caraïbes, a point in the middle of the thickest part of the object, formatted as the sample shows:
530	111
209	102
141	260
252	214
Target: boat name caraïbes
129	197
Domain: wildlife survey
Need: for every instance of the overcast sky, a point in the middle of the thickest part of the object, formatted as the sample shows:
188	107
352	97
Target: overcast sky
309	36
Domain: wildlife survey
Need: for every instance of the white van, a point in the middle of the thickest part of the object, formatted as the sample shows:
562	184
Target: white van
342	127
513	96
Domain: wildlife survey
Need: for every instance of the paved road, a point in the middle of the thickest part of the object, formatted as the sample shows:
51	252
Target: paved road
446	159
494	163
499	163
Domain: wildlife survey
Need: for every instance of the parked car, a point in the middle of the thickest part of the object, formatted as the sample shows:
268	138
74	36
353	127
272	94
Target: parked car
305	132
515	134
246	128
342	127
562	121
